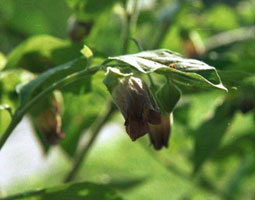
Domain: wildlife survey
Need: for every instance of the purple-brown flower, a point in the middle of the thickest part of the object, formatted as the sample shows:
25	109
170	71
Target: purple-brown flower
160	133
137	105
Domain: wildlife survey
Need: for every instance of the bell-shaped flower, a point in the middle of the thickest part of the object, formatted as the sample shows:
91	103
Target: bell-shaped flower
160	133
167	97
133	98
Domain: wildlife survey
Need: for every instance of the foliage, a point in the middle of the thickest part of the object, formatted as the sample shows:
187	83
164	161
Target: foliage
125	52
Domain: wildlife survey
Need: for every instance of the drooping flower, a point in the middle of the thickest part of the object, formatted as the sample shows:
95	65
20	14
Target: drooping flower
135	102
142	113
133	98
160	133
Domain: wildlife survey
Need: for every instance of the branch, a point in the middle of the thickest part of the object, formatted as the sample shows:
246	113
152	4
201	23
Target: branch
129	25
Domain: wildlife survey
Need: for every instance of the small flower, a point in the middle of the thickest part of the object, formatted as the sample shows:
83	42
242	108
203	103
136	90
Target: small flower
160	133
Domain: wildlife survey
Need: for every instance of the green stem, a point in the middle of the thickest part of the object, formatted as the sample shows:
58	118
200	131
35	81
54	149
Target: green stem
126	32
129	25
22	111
95	130
153	86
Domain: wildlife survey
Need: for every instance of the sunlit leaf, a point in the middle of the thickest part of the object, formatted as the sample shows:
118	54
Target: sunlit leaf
188	72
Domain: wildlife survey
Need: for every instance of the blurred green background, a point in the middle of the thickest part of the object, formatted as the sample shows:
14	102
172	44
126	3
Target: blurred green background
211	153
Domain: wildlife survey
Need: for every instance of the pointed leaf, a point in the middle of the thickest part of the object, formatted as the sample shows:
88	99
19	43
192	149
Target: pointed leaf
49	77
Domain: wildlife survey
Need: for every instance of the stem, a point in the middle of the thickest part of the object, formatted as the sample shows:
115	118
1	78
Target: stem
126	32
16	119
95	130
129	25
22	111
151	81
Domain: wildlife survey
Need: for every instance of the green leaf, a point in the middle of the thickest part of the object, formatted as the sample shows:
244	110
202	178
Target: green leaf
49	77
238	147
209	135
40	53
167	97
77	191
184	71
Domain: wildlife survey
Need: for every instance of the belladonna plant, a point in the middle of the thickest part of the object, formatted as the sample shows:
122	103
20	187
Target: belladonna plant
145	109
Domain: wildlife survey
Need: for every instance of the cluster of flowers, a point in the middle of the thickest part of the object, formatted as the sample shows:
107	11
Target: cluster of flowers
140	110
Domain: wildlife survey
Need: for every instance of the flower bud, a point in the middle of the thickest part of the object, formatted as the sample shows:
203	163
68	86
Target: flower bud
50	124
46	118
